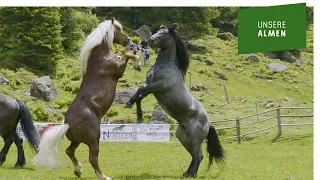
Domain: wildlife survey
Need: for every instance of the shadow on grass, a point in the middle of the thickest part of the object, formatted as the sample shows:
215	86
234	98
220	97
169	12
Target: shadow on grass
72	176
152	176
284	139
17	168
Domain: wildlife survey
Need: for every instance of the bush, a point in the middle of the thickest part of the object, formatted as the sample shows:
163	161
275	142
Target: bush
40	114
136	39
112	113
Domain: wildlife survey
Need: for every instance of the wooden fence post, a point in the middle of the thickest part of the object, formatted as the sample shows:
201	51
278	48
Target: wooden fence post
238	130
279	122
226	93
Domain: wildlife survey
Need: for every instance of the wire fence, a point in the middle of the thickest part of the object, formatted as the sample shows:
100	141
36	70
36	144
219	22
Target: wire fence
261	122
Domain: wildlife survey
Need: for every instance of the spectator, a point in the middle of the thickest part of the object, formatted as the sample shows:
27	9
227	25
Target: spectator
106	120
135	49
144	44
146	53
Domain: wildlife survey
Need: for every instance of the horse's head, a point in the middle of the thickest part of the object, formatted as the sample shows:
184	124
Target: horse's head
120	37
161	39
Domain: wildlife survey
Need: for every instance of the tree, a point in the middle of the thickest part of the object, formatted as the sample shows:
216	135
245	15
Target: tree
193	21
31	37
76	23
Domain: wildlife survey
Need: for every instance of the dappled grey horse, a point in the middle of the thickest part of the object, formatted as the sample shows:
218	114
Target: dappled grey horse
11	111
165	81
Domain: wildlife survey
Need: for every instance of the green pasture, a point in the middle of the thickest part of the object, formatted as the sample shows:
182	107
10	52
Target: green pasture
290	157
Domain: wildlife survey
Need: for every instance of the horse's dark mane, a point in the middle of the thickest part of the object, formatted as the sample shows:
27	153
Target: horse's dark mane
182	54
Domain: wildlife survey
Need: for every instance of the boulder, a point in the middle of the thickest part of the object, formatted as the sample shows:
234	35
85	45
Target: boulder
269	104
262	76
226	36
276	67
52	110
252	58
197	48
43	88
299	63
4	80
208	62
198	87
230	67
159	116
144	32
220	75
123	95
290	56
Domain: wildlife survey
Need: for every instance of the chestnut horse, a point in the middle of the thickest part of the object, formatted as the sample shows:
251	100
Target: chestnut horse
101	70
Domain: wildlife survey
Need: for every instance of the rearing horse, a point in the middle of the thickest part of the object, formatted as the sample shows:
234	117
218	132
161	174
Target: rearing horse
101	71
165	81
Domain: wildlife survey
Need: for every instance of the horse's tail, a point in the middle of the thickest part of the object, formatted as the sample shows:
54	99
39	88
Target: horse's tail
214	147
48	148
27	126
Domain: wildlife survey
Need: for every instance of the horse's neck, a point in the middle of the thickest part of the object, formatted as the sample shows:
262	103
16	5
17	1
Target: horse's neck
100	50
168	55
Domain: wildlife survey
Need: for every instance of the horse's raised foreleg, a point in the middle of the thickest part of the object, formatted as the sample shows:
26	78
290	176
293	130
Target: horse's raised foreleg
70	152
124	61
7	143
93	158
145	90
21	161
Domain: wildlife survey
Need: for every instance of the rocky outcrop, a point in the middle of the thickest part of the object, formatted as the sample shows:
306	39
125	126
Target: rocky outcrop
123	95
159	116
43	88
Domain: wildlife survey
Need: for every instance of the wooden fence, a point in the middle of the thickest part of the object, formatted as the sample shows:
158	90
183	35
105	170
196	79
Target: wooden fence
277	115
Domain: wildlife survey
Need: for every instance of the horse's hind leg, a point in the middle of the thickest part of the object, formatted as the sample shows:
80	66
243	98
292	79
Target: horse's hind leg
93	158
21	161
139	111
70	152
192	142
7	143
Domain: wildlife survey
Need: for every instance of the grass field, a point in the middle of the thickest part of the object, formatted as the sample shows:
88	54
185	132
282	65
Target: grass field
289	158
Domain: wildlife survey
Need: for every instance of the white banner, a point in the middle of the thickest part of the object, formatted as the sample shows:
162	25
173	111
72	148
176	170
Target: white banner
120	132
153	132
135	132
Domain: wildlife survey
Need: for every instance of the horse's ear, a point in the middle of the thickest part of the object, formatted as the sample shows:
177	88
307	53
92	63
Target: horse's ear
175	26
112	20
163	26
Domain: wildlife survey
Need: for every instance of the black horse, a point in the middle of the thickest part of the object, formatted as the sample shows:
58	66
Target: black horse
11	111
165	81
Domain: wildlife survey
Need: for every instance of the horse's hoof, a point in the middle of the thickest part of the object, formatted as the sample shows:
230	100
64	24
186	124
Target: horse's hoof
108	178
19	164
140	120
77	173
188	175
128	105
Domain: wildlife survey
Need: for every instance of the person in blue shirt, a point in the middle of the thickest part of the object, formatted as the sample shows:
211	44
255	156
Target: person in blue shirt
146	53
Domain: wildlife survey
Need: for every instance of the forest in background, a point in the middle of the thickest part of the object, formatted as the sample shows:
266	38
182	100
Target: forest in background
35	38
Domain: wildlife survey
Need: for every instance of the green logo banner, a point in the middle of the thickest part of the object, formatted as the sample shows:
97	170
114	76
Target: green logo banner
264	29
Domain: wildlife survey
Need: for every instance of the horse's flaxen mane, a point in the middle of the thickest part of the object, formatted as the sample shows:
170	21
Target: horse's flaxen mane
182	54
105	31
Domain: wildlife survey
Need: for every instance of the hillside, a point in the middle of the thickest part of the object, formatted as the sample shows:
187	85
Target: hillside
243	87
